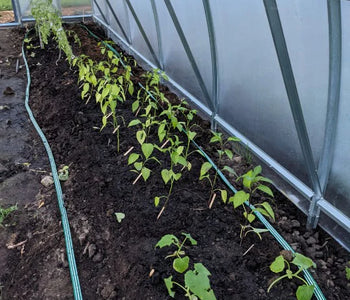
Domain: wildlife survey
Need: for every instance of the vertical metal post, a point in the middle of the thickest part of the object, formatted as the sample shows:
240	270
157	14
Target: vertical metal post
118	21
334	77
17	11
143	33
214	61
293	97
189	53
159	36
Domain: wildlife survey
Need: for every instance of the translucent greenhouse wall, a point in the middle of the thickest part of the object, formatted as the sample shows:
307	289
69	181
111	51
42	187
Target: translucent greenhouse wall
272	72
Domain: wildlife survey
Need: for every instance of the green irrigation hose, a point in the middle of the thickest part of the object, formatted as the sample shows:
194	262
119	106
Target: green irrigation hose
64	218
276	235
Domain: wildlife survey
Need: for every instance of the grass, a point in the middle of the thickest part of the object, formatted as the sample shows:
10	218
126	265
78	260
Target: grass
67	3
5	5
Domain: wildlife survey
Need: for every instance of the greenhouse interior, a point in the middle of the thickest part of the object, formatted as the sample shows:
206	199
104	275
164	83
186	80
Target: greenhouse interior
160	149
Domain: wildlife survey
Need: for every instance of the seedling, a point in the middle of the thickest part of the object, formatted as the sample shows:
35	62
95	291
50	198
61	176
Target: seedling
175	151
63	173
139	161
284	262
196	282
252	181
119	216
223	151
4	212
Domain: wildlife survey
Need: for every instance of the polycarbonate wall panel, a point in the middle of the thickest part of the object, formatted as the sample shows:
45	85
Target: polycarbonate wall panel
177	66
121	12
338	191
305	26
252	95
100	10
144	13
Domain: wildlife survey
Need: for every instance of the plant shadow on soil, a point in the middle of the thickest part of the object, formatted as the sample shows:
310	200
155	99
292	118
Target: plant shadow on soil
114	259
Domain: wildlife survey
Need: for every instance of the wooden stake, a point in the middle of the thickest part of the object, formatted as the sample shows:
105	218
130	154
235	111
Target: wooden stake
137	178
250	248
137	112
127	152
167	141
212	201
116	129
160	213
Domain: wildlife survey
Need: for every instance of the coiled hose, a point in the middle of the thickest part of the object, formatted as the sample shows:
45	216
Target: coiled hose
307	275
65	223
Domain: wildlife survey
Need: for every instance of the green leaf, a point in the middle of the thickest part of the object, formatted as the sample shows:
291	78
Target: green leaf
302	261
205	168
278	264
156	201
305	292
247	179
177	176
190	238
147	149
132	158
198	282
233	139
347	272
141	136
120	217
131	89
180	264
215	138
257	171
169	285
165	175
191	135
167	240
135	105
261	178
161	132
229	153
138	166
269	209
229	169
145	173
250	217
223	195
134	122
265	189
239	198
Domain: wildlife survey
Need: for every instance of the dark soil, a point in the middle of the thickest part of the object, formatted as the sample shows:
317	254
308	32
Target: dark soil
115	259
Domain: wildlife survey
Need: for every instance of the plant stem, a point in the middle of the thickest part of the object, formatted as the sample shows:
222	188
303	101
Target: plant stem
277	280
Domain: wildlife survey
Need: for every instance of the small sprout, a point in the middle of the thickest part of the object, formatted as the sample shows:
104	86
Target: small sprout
4	212
63	173
120	216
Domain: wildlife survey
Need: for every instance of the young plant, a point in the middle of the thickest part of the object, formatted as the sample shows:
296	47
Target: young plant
347	271
223	151
196	282
253	181
175	151
47	22
140	161
293	265
4	212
